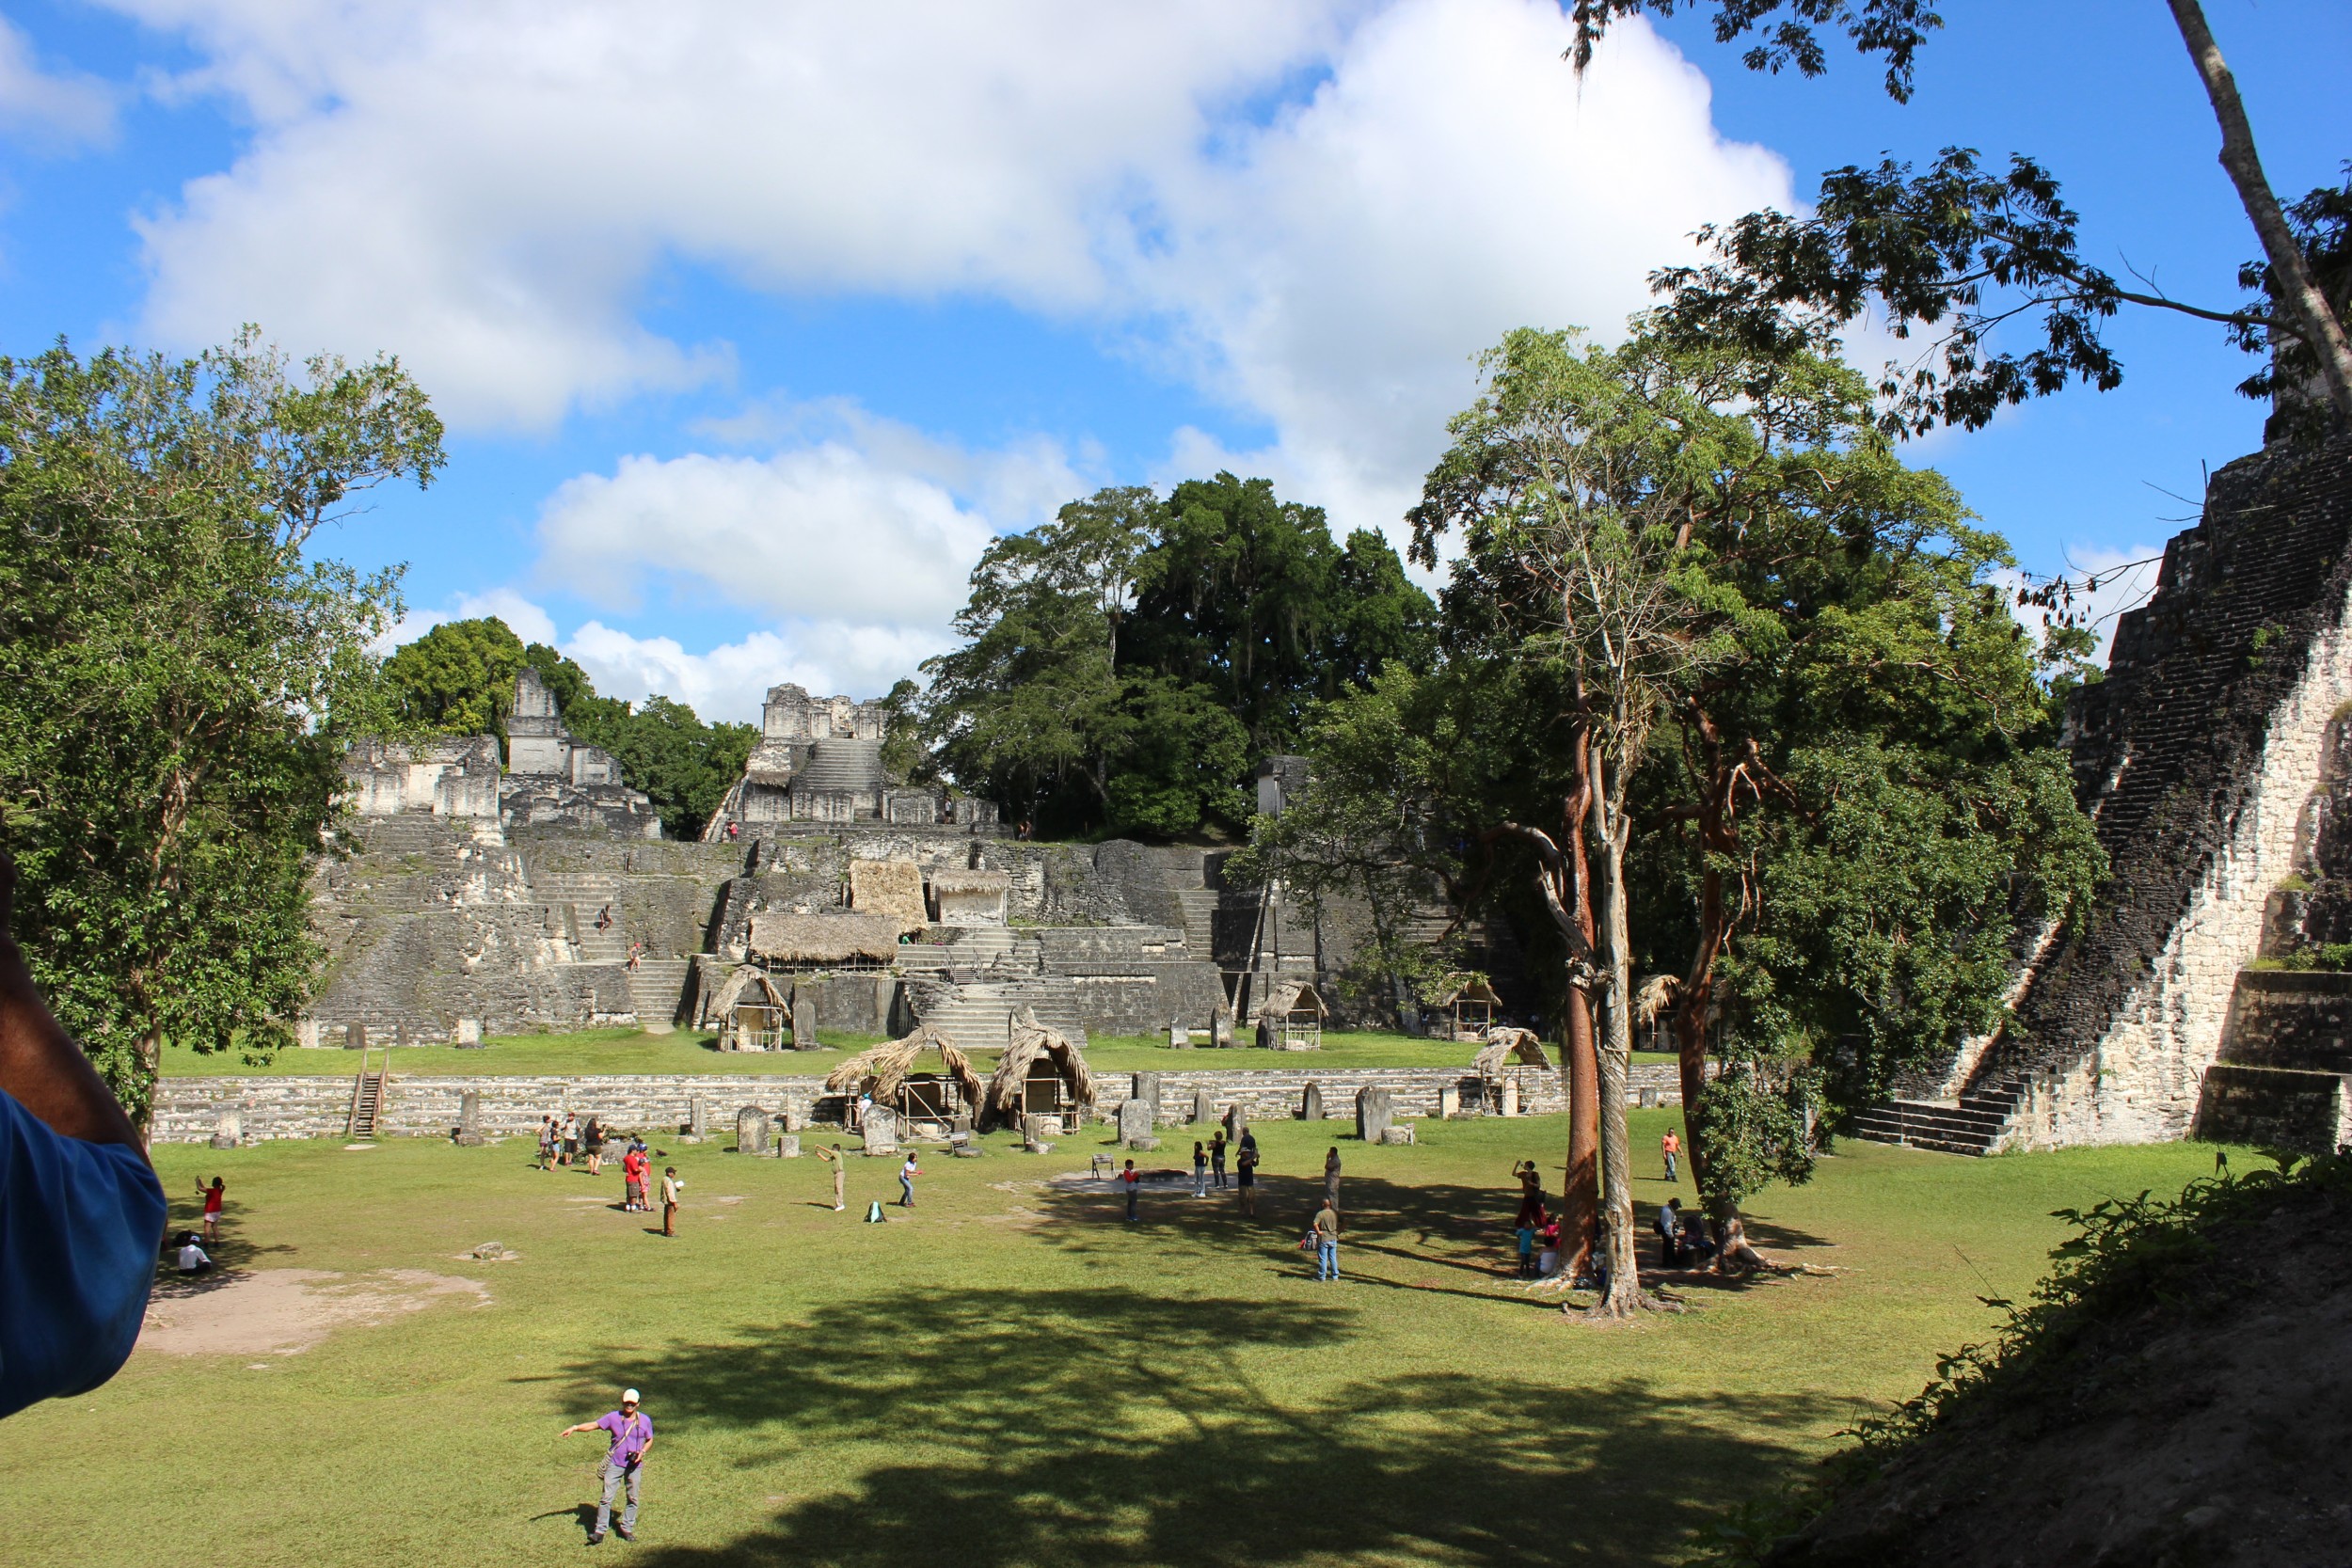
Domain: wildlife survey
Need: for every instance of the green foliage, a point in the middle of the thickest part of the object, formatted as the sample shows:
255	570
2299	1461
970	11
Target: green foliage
458	678
180	676
1125	662
1757	1125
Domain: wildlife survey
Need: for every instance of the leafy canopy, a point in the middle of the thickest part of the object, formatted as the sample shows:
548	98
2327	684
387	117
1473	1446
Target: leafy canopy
182	674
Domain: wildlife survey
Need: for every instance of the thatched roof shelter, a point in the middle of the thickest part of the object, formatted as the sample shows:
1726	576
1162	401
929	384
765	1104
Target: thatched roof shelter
1507	1046
1294	999
882	1071
831	938
1033	1042
746	979
1467	987
890	890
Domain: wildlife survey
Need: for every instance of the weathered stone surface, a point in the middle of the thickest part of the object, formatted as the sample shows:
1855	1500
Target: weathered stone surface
470	1119
1146	1087
229	1131
1311	1101
1179	1037
788	1147
1143	1145
1136	1118
805	1018
1511	1095
1397	1133
188	1109
881	1130
753	1126
1374	1110
1449	1101
1221	1029
1203	1104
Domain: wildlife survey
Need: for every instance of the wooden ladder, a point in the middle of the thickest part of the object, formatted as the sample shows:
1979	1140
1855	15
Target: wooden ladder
367	1096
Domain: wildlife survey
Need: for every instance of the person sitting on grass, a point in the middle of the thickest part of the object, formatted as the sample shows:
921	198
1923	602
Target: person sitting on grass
1696	1244
1668	1224
193	1259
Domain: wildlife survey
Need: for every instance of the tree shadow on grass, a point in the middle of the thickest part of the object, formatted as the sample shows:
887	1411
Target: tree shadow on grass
1113	1429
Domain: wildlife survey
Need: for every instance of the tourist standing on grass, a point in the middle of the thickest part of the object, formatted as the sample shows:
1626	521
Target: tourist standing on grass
211	1196
1246	1175
1671	1145
1199	1168
633	1165
1129	1179
571	1140
546	1143
1669	1227
670	1188
1331	1177
1327	1235
1531	1192
840	1176
632	1433
907	1173
1216	1161
592	1139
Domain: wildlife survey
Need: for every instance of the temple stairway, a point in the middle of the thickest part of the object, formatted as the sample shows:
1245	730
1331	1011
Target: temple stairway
657	988
583	894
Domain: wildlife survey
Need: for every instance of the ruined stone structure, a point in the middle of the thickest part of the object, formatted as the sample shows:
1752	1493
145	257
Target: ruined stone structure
554	780
819	760
475	901
2211	759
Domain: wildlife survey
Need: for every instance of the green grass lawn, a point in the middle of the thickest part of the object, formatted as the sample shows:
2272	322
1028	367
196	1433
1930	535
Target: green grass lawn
1009	1375
625	1051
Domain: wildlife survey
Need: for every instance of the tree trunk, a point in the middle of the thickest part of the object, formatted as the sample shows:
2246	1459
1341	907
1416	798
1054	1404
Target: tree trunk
1616	1051
150	1078
2315	321
1579	1200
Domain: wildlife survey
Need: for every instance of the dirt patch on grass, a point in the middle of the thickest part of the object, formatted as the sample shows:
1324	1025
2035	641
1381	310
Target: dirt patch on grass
285	1312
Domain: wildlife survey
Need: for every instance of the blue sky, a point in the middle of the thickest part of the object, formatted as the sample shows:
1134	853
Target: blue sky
753	322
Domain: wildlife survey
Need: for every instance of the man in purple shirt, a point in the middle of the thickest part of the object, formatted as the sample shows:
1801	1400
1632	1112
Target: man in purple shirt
631	1431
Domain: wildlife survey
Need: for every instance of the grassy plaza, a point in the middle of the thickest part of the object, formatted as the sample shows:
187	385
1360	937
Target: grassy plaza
1008	1375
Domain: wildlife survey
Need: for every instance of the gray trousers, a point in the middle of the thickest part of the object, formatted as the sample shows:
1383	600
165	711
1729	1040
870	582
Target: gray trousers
615	1477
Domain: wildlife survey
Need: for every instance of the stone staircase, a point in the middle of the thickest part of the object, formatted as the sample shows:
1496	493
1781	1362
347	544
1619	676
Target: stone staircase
1973	1124
978	1014
2280	1079
586	893
657	988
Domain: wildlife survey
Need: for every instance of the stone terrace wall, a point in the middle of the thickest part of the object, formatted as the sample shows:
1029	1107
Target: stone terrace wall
188	1109
2196	756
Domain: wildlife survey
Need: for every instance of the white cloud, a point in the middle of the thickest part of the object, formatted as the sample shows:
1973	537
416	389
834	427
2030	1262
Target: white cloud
523	618
500	179
729	681
59	111
822	531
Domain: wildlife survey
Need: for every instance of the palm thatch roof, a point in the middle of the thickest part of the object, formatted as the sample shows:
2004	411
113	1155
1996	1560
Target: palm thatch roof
1503	1043
1653	997
1467	987
892	890
1287	998
831	938
1032	1040
882	1070
746	978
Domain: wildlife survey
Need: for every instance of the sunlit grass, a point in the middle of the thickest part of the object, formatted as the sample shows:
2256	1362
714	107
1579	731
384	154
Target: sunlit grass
1011	1374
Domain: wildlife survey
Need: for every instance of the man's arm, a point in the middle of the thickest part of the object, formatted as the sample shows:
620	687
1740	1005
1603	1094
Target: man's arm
39	1064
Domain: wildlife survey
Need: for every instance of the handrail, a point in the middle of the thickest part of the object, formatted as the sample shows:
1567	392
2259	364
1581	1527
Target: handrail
358	1089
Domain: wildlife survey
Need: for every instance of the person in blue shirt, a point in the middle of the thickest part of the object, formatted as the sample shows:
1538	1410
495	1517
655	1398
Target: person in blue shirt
81	1211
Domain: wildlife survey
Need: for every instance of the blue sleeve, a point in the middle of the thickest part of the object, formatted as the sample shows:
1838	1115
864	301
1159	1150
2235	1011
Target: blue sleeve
80	1225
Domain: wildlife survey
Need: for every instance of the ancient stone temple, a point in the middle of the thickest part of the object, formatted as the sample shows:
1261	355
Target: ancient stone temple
819	760
555	779
2213	760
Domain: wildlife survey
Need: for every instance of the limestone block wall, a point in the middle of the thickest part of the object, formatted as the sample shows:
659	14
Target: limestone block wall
2197	757
188	1109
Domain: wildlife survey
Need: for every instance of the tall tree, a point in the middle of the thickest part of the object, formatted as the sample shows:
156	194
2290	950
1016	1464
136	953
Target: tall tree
181	668
458	678
1959	250
1572	482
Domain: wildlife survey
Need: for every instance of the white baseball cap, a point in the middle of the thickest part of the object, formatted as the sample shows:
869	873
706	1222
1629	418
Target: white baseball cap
628	1396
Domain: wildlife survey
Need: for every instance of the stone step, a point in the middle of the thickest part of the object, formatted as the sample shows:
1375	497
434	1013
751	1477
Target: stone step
2271	1107
978	1016
657	988
1952	1128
